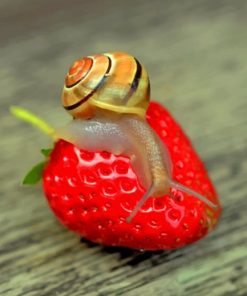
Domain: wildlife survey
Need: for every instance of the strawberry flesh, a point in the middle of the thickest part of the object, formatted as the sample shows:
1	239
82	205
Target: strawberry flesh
92	193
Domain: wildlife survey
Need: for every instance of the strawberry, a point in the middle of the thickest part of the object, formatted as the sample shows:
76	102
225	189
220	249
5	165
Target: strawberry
92	193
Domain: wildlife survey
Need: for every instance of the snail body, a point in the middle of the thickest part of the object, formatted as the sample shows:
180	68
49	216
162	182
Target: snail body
124	135
108	95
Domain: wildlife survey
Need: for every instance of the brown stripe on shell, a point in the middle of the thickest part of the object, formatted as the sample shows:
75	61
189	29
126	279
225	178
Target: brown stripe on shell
135	82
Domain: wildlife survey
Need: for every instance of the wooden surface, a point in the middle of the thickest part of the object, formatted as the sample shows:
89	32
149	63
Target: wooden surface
195	52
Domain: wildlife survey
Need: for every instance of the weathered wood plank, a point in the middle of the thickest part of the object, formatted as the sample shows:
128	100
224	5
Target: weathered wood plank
195	52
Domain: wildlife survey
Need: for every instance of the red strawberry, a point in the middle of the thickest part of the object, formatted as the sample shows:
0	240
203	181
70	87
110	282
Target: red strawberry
93	193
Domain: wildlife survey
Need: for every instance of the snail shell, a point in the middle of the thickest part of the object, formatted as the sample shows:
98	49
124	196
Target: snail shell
112	81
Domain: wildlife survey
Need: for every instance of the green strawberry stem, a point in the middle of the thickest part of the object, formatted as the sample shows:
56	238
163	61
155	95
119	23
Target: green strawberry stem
35	174
33	119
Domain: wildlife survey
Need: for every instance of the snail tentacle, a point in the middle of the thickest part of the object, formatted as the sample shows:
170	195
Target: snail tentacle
140	203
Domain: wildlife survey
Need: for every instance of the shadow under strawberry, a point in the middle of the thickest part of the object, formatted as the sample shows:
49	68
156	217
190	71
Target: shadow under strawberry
127	256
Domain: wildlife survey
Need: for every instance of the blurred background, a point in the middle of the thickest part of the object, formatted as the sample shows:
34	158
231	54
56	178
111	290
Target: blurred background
195	53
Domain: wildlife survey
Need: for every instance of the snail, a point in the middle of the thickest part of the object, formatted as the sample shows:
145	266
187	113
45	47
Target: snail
108	95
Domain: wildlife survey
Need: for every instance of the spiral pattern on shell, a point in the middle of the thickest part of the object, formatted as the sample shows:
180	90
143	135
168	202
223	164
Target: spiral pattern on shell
111	81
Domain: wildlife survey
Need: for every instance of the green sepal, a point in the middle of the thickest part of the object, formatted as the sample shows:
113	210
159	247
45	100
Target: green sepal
46	151
35	174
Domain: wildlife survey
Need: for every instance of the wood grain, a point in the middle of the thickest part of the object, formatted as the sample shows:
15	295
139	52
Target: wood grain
195	52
